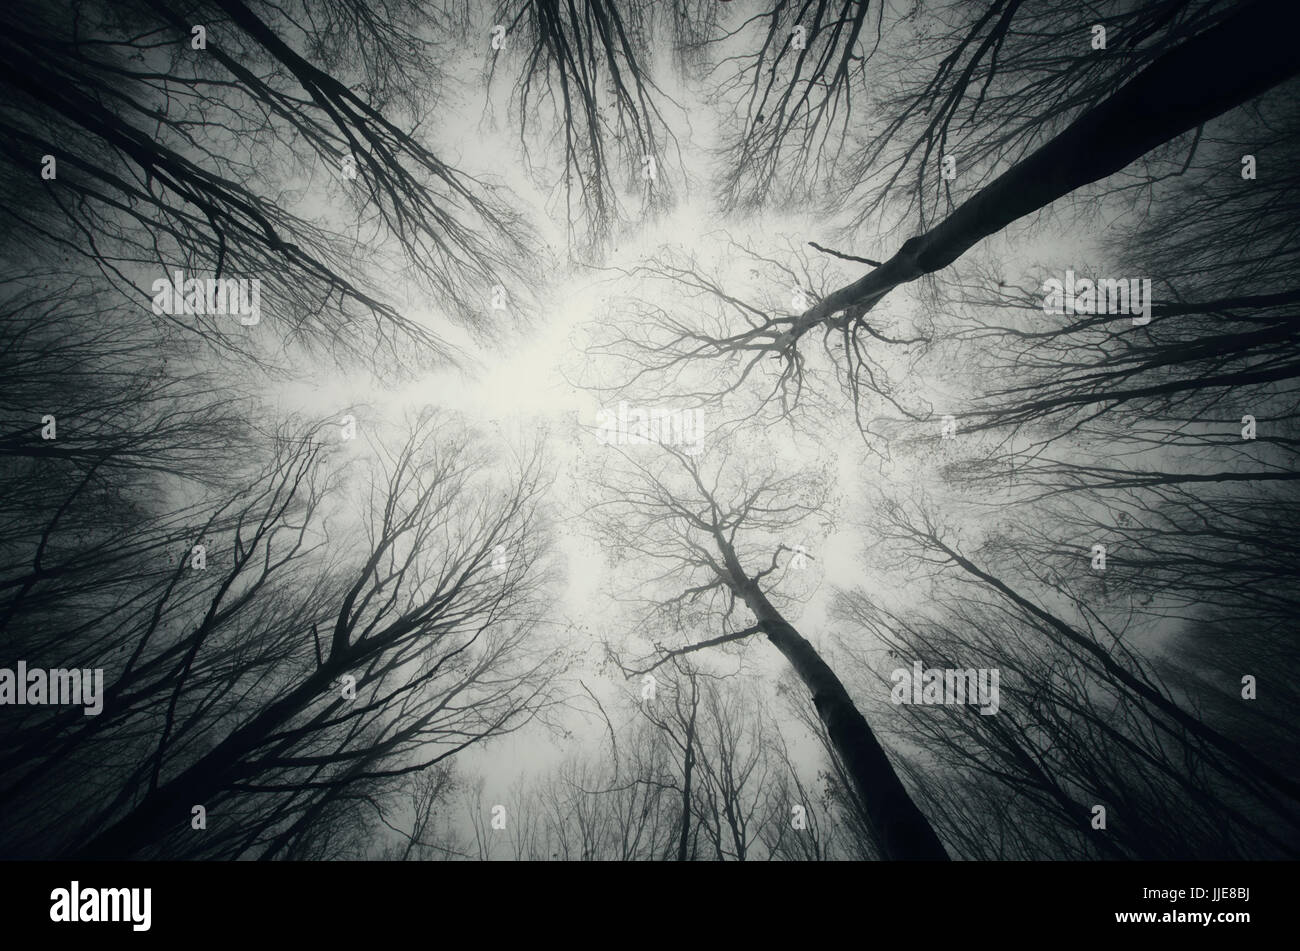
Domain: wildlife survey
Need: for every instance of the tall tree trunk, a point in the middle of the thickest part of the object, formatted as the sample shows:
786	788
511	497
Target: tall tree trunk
901	830
1254	769
687	770
1248	53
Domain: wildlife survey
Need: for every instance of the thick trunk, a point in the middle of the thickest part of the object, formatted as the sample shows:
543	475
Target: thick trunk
1245	55
901	830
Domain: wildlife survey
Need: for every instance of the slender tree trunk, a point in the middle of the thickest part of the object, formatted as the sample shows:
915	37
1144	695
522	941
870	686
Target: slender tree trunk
1253	767
901	830
1248	53
687	770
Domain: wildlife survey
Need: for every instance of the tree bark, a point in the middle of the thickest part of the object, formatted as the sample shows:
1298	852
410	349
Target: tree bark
901	830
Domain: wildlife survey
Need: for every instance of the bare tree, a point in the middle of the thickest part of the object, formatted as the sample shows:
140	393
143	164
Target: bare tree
1102	650
588	65
289	677
1175	93
704	527
142	124
795	96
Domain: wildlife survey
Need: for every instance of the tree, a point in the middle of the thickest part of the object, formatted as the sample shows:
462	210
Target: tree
288	678
588	64
1102	651
140	123
1174	94
693	527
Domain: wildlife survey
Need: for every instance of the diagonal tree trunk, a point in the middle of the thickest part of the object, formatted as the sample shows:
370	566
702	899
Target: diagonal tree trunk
1247	54
901	829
